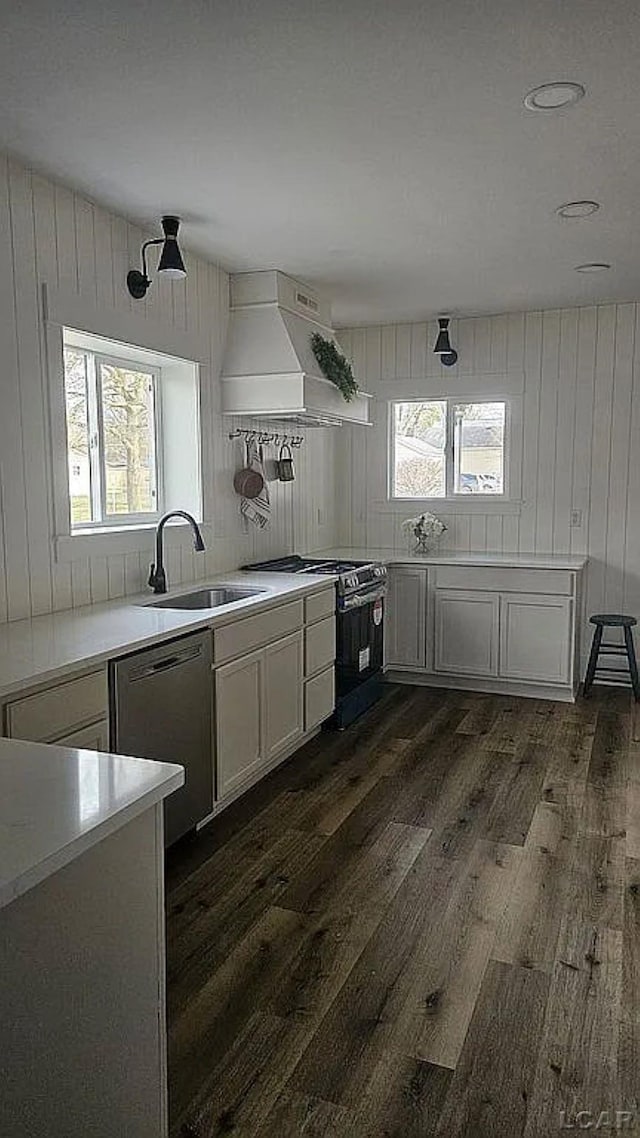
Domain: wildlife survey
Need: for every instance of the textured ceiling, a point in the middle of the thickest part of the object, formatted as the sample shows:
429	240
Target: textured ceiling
380	150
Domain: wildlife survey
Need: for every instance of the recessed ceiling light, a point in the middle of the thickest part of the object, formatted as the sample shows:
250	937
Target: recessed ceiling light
552	96
593	267
577	209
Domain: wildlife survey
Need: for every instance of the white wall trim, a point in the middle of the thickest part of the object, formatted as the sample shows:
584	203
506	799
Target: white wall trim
128	539
462	504
477	386
70	310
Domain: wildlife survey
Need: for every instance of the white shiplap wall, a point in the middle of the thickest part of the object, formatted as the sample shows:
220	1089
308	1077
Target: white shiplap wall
581	437
50	235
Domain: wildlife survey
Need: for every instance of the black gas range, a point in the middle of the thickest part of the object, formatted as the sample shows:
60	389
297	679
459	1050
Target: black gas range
361	588
354	577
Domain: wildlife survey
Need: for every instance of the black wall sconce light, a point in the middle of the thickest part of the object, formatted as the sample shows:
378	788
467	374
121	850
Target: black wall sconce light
170	263
448	355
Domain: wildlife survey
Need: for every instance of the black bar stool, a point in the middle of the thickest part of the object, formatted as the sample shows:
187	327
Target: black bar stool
612	620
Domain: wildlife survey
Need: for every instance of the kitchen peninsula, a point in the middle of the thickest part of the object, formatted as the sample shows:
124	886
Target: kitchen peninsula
82	957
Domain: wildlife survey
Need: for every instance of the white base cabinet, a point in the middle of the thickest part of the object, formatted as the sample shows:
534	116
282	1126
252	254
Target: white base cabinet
493	629
258	711
268	700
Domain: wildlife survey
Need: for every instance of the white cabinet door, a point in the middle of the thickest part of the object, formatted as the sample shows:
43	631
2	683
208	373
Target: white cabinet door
406	628
466	632
93	738
319	698
536	637
239	727
283	694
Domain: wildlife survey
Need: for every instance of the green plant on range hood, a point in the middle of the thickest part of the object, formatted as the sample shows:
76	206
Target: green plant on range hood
334	366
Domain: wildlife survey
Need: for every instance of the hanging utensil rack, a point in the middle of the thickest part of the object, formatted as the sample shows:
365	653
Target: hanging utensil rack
265	438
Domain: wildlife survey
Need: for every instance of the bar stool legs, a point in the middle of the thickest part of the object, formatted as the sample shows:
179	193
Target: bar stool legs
593	659
633	664
594	667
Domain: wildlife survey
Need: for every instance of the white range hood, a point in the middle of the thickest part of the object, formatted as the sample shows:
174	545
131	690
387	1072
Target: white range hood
269	369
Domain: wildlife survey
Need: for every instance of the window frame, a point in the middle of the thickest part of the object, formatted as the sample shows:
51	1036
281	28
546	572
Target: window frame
450	401
190	367
102	520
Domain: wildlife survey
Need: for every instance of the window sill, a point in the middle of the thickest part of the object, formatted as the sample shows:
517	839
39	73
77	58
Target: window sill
461	504
106	540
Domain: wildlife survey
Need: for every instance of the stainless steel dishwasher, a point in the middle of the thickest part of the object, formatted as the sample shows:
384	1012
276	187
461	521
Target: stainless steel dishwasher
161	708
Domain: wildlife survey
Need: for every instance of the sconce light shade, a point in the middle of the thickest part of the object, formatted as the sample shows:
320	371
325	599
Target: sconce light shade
448	355
170	263
443	343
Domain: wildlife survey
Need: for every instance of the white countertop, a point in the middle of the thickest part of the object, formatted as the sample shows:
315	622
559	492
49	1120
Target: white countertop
49	647
571	561
56	802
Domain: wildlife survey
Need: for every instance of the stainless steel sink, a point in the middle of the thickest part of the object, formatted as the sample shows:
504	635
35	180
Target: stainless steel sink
211	598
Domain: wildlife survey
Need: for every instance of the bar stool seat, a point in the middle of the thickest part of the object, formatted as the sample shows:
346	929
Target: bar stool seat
595	668
613	620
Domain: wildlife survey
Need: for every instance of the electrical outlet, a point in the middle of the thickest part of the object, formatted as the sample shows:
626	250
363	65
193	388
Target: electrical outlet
576	518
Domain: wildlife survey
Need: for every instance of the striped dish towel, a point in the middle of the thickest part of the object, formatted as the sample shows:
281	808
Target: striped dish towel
256	510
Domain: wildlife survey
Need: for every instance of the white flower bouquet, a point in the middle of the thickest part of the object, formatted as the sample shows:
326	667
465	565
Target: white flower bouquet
426	529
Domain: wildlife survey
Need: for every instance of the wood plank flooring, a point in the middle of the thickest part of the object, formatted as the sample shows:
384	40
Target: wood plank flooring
427	925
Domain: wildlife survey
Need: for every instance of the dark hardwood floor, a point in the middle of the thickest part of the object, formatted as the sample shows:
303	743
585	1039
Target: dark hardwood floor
428	925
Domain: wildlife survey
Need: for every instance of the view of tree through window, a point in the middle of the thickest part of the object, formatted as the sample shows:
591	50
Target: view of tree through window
442	447
420	439
111	438
75	384
129	437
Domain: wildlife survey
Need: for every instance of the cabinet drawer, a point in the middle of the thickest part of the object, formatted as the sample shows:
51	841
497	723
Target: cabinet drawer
93	738
319	698
319	646
320	605
243	636
556	581
59	710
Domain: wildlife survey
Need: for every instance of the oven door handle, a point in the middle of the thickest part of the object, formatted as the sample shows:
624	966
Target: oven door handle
359	600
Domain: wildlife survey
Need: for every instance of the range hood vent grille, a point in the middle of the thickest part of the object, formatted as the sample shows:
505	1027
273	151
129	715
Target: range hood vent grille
307	303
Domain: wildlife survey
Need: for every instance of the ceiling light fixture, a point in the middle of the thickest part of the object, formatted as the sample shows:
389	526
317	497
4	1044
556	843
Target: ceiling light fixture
170	263
593	267
571	210
448	355
553	96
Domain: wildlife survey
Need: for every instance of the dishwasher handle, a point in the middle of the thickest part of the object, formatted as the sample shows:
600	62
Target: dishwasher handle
175	660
